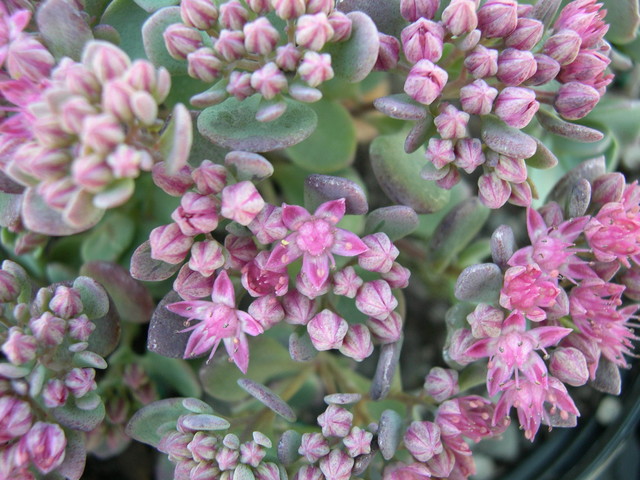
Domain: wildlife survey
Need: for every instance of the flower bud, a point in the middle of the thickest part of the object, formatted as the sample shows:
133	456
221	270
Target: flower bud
587	67
526	35
425	82
515	66
27	57
204	65
389	52
387	330
287	57
181	40
608	188
313	446
260	36
482	62
313	31
441	383
75	110
66	302
440	152
486	321
192	285
233	15
358	442
57	193
493	191
46	445
320	6
335	421
451	123
18	347
315	68
206	257
469	154
516	106
15	418
327	330
357	343
337	465
546	70
80	381
460	17
498	18
422	439
422	40
258	6
412	10
81	328
9	287
563	46
376	300
449	179
241	202
240	251
398	276
569	365
115	100
477	98
341	25
230	45
346	282
251	454
269	81
200	14
55	393
575	100
169	244
210	178
196	214
308	472
287	9
102	133
240	85
380	255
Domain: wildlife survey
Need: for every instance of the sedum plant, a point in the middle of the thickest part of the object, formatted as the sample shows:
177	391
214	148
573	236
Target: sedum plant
239	233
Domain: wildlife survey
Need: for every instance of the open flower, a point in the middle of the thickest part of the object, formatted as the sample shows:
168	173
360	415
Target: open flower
219	320
315	238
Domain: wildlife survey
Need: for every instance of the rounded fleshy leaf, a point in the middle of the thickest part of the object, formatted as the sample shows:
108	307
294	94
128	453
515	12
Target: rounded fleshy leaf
89	359
10	205
127	19
232	125
608	378
354	59
300	347
94	298
205	421
163	338
268	398
623	19
109	240
75	456
40	218
153	40
145	425
178	373
455	231
153	5
249	165
132	299
579	198
75	418
117	193
148	269
386	15
479	283
503	244
543	158
385	370
396	221
342	398
398	173
319	189
506	140
288	447
589	170
177	138
389	433
196	406
401	107
332	146
554	124
63	28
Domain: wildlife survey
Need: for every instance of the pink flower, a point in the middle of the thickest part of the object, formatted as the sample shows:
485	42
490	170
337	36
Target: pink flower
219	320
469	416
586	18
315	238
614	233
526	289
514	350
46	445
259	281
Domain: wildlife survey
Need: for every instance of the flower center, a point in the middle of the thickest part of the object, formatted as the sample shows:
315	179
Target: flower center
315	236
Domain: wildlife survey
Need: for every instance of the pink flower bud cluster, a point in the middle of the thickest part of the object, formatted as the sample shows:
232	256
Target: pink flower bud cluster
594	253
40	364
204	453
88	130
505	58
265	240
238	43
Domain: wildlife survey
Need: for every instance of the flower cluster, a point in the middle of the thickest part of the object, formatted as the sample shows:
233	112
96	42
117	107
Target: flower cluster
250	53
549	286
266	239
80	137
506	53
47	369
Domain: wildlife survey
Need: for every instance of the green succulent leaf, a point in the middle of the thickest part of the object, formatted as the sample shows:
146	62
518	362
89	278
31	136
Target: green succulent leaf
153	5
109	240
127	18
70	416
506	140
173	372
149	422
623	19
177	138
396	221
63	28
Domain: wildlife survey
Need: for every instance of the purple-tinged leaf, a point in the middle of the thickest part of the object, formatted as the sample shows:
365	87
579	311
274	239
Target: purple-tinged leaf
589	170
386	15
249	166
116	194
385	370
132	299
90	359
7	185
342	398
361	463
608	378
94	298
354	58
579	198
479	283
389	433
396	221
153	40
418	135
319	189
106	335
148	269
554	124
41	218
175	372
232	125
81	210
88	402
10	206
195	405
205	421
75	456
63	28
506	140
74	418
164	337
300	347
288	447
543	158
557	418
176	140
400	106
268	398
145	425
503	244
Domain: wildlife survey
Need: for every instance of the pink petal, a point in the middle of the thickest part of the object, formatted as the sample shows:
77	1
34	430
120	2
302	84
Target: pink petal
515	323
293	215
535	225
316	269
223	290
548	336
497	376
347	244
570	229
200	341
197	309
536	370
238	350
332	211
249	324
285	252
482	348
521	257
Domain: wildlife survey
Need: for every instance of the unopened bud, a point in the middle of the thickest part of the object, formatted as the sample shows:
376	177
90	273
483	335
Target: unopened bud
515	66
233	15
516	106
569	365
412	10
204	65
313	31
460	17
498	18
563	46
425	82
575	100
441	383
422	40
200	14
482	62
526	35
477	98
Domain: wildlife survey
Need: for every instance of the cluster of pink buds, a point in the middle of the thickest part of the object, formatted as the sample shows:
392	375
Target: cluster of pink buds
561	296
46	365
238	44
265	240
83	138
199	449
507	52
